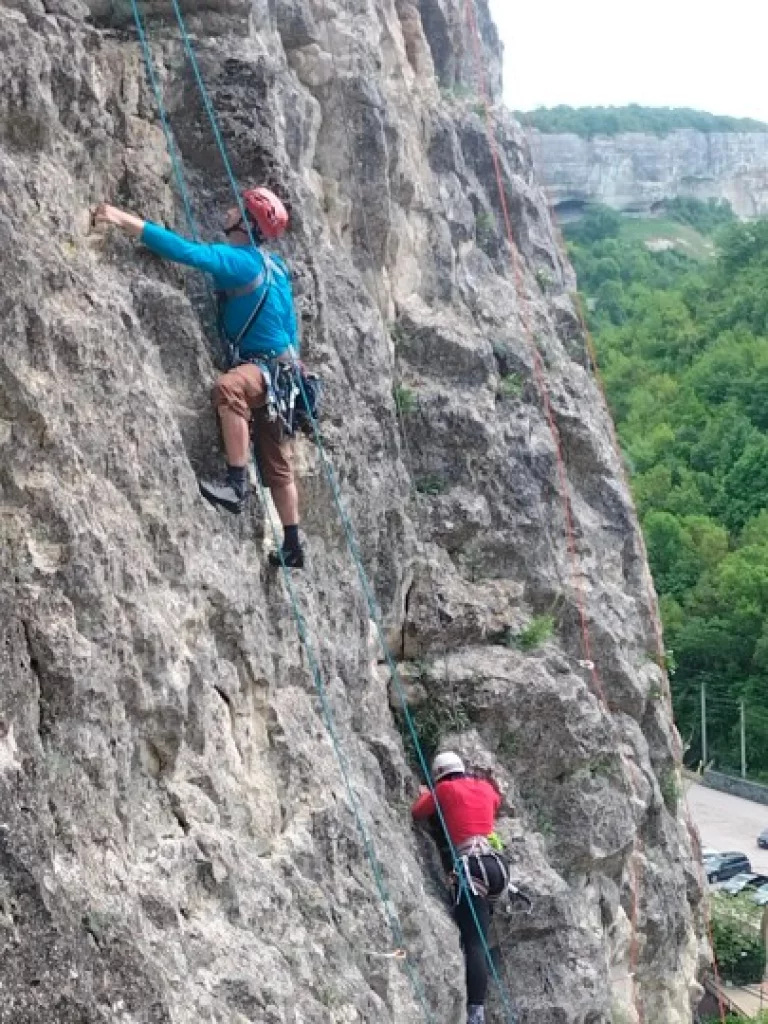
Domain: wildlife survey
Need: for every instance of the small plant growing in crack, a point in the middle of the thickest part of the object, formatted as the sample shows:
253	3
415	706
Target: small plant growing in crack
485	227
396	332
405	399
508	744
669	784
537	632
510	386
431	723
432	484
544	279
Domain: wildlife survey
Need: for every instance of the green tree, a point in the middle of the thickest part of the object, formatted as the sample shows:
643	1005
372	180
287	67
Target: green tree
600	222
684	351
590	121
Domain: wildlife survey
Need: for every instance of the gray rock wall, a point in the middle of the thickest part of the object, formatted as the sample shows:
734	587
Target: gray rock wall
176	841
635	172
739	787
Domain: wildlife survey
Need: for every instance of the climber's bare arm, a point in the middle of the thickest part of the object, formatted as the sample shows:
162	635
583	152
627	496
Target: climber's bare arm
128	222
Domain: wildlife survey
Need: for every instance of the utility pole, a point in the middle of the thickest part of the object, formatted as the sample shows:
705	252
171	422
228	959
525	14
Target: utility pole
743	740
704	726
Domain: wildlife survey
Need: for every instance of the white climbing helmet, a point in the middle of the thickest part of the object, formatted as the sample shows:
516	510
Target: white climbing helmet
447	763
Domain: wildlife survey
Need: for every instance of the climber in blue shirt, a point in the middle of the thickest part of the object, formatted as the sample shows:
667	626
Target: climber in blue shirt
258	319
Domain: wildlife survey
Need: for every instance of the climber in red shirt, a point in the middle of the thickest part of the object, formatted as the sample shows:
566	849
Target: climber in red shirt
469	807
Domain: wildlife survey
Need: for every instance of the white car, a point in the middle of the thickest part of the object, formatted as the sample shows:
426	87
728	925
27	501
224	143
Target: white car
739	882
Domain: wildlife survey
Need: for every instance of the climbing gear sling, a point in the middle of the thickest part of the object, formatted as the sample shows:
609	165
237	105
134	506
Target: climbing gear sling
222	297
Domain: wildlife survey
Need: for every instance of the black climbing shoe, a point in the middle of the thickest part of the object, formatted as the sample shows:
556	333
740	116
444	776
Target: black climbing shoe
224	495
293	558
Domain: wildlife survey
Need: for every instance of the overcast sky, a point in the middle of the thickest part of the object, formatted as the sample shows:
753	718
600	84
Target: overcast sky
679	53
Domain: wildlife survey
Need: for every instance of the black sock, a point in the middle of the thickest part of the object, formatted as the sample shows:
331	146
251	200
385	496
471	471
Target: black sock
237	476
291	537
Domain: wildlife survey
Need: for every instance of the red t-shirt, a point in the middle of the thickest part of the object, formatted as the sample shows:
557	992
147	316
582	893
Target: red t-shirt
469	807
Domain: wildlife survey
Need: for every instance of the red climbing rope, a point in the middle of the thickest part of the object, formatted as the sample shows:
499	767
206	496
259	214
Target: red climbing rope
654	614
647	578
634	940
538	365
541	384
650	597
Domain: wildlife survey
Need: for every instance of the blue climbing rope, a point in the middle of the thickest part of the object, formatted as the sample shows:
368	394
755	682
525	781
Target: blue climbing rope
192	57
170	142
175	156
301	626
364	582
458	865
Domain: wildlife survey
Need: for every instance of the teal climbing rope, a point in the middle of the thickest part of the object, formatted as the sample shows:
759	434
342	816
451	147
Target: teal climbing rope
347	526
192	57
170	142
362	575
173	149
299	619
376	615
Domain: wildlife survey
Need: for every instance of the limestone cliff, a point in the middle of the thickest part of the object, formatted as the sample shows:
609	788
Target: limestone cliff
635	173
176	843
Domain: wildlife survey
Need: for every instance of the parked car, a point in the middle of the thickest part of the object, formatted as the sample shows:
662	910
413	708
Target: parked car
744	880
708	853
762	839
728	864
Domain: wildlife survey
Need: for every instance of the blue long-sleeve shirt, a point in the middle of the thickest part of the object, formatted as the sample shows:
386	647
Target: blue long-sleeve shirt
231	267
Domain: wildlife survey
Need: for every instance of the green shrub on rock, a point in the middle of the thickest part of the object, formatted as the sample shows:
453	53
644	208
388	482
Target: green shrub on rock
740	952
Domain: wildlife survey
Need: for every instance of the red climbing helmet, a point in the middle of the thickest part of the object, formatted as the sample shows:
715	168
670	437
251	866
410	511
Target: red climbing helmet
267	212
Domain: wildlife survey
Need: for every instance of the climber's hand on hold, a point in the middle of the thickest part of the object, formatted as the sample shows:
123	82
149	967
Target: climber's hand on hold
106	214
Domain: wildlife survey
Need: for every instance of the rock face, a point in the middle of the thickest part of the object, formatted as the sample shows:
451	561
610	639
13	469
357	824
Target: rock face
177	843
635	173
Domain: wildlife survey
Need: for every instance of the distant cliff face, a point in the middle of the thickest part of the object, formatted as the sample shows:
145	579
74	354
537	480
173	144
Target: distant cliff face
634	172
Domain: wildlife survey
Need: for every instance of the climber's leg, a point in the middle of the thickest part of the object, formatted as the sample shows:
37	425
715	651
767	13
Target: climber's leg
474	941
275	457
236	393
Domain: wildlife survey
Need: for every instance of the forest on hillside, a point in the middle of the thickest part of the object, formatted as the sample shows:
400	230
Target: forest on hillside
683	347
590	121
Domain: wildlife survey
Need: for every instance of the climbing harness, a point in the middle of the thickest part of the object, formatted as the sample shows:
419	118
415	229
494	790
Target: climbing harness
299	396
473	854
293	396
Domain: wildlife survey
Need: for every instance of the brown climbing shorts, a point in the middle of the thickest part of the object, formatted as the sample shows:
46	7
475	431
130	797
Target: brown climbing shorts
244	391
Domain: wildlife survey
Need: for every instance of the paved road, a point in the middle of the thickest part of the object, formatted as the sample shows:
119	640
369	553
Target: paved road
729	823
